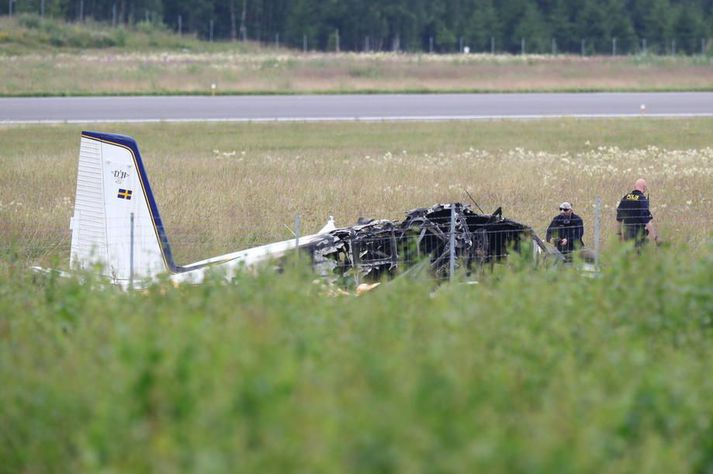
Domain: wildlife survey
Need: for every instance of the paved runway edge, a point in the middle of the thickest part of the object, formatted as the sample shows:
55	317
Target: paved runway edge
361	119
387	107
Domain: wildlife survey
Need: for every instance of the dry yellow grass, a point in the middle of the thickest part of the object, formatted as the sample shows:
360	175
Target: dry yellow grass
111	72
221	187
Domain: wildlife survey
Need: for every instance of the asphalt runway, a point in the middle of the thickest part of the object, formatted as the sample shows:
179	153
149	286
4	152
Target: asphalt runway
353	107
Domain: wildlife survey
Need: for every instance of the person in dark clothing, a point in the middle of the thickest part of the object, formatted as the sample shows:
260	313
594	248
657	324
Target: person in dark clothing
567	229
634	216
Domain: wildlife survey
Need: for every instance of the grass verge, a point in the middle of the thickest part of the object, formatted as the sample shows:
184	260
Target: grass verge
222	187
44	58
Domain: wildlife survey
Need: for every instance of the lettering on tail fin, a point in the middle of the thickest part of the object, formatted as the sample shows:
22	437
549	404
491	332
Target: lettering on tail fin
120	176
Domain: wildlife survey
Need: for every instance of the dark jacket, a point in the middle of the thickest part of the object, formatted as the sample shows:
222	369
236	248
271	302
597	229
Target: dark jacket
633	212
566	227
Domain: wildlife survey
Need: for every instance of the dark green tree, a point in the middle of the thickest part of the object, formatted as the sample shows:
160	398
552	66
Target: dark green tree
561	26
483	26
531	29
593	27
621	30
688	28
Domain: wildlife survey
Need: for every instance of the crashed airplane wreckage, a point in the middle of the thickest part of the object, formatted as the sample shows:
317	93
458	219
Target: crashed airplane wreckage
117	228
377	249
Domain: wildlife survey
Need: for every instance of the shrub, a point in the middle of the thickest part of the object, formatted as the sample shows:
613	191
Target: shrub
30	21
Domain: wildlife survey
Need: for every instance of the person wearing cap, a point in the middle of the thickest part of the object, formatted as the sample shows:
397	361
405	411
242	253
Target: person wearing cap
634	216
567	229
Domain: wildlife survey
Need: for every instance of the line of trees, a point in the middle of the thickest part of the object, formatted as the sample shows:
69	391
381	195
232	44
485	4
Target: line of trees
515	26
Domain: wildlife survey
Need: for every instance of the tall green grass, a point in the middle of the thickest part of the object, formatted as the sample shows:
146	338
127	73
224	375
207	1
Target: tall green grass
529	371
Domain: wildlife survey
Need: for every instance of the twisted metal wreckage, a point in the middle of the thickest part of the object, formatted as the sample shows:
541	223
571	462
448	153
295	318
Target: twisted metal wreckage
117	228
381	248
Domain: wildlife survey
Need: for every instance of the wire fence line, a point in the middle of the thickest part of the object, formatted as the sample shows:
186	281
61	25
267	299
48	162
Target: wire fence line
468	41
190	237
475	43
450	237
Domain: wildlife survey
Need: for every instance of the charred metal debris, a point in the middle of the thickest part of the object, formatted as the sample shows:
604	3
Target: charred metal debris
375	249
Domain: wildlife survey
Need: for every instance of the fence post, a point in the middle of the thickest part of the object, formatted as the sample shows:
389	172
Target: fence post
583	45
131	255
613	46
298	225
81	11
554	46
304	43
355	262
597	228
492	45
9	13
430	44
522	46
673	47
643	45
452	245
42	9
211	31
113	15
336	35
180	25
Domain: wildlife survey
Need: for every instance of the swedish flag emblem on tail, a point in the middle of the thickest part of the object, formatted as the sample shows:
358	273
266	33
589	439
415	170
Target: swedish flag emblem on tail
124	194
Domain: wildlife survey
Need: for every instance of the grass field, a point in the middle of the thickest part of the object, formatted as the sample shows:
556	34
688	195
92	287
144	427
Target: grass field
40	57
529	371
221	187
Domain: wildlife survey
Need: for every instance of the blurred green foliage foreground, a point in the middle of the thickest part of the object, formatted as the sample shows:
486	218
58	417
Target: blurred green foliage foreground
531	370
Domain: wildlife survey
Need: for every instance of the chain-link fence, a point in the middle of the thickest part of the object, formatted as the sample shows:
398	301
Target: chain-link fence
442	241
466	41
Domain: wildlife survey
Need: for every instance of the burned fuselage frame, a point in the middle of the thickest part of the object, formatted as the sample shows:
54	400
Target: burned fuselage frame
381	248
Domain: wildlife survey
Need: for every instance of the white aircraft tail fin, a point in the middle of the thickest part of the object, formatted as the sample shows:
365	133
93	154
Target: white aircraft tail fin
115	208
